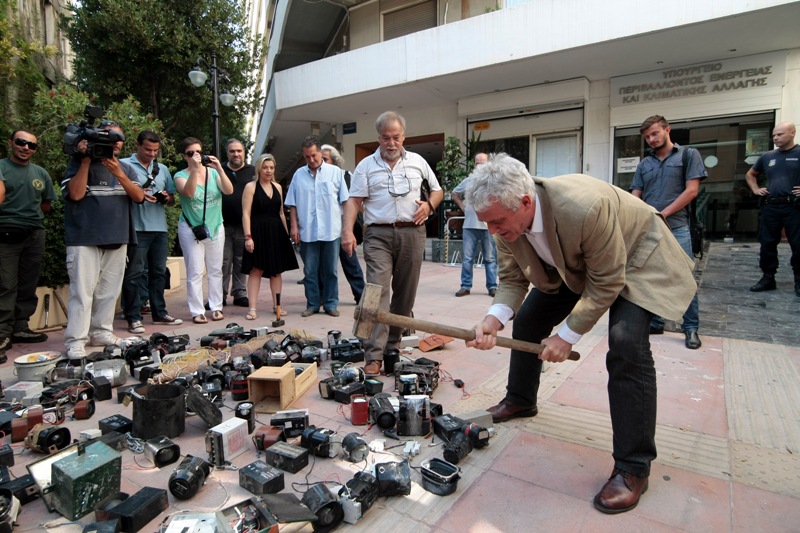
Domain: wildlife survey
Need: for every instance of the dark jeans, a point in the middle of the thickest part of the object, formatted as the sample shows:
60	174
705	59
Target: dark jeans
151	251
232	277
772	219
352	271
629	361
20	266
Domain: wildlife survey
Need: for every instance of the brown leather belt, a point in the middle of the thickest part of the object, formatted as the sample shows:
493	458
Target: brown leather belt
397	224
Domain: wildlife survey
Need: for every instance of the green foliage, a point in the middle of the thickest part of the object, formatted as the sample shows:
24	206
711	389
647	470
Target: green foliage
20	70
456	164
52	110
145	48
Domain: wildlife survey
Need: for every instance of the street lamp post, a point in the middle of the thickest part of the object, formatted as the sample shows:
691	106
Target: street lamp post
199	78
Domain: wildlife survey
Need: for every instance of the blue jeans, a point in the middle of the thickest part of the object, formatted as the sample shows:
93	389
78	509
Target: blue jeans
473	238
629	361
321	272
150	252
691	318
352	271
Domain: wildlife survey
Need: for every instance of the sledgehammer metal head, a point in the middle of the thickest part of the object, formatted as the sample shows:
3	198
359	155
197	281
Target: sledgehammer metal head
366	313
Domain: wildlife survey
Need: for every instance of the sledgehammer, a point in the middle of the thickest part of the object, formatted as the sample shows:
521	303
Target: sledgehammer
368	313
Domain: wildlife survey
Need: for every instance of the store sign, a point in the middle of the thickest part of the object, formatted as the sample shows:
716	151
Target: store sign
703	79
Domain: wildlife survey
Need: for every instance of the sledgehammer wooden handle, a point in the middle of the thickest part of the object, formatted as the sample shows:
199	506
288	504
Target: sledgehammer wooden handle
368	313
461	333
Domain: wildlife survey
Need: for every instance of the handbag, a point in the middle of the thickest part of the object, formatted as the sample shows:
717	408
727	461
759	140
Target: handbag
13	234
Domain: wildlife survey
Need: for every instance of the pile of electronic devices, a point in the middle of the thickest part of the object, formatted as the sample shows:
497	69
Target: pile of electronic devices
81	475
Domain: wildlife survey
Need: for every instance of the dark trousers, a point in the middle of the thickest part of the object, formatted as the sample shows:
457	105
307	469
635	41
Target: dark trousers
149	254
629	361
352	271
20	266
772	219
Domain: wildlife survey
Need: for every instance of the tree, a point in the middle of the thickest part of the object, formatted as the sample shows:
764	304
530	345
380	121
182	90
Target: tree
145	48
21	60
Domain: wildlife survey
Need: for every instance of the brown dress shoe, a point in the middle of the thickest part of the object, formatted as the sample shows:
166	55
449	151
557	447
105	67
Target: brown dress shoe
372	368
506	410
620	493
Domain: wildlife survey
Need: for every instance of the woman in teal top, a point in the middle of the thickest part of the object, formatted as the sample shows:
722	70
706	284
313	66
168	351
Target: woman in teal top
200	230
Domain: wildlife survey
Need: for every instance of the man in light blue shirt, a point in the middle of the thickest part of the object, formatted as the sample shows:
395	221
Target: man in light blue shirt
151	251
315	199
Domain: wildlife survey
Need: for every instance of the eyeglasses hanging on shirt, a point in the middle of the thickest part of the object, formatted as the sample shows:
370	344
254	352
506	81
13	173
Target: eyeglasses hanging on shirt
392	187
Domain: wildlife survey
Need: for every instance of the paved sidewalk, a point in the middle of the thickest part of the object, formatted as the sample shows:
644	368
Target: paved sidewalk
728	423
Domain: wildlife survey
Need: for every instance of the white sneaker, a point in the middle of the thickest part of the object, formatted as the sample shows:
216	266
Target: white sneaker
136	327
76	352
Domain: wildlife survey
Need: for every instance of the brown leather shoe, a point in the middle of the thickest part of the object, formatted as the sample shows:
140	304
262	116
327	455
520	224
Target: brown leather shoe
620	493
506	410
372	368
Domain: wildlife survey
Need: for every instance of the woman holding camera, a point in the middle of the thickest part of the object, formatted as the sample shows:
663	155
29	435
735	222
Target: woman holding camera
200	231
268	252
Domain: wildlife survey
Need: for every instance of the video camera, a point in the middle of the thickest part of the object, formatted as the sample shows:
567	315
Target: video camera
101	142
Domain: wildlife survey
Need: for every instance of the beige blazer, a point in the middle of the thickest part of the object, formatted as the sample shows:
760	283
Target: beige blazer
605	243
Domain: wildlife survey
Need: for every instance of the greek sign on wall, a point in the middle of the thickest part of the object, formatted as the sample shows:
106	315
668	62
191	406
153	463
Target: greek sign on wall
702	79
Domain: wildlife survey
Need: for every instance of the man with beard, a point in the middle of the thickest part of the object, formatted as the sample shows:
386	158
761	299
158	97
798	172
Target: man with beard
399	192
668	178
240	175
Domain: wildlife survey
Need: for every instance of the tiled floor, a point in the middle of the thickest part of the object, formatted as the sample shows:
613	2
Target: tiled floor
728	434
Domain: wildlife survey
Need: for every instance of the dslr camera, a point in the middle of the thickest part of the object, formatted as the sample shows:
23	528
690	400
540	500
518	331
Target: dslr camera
101	142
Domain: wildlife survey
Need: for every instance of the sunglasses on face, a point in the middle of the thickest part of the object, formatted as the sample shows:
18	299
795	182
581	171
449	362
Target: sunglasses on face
22	142
190	153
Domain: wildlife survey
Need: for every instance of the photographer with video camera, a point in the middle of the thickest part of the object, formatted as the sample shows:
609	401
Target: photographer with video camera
200	229
99	191
150	252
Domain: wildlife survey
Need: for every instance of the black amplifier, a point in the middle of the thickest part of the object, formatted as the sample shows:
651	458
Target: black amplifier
261	478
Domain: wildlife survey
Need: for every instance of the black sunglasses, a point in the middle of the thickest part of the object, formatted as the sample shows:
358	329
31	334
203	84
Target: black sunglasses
108	124
190	153
22	142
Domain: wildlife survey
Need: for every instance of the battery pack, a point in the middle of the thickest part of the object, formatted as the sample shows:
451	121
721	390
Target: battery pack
117	423
260	478
102	388
287	457
136	511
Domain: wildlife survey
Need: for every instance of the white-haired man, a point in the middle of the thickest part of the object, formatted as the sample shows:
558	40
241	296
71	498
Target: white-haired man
587	247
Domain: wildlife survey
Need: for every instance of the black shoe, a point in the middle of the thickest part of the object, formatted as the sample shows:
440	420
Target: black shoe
797	287
241	301
27	335
692	340
656	330
766	283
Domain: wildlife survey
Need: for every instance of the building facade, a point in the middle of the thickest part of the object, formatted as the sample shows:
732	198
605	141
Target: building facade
560	84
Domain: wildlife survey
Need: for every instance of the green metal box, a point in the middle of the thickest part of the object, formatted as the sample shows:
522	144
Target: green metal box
84	479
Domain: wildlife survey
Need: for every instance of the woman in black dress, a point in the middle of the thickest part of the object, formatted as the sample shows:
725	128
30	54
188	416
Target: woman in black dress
267	249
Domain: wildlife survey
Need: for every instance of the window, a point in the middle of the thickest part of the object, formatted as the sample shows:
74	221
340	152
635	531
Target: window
410	19
729	146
